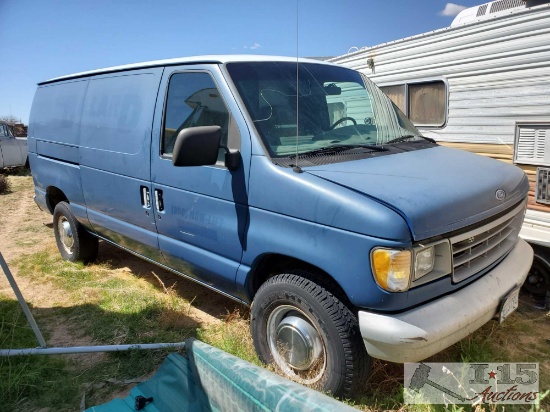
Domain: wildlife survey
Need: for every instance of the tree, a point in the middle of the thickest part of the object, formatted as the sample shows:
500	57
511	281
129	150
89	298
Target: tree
10	119
17	128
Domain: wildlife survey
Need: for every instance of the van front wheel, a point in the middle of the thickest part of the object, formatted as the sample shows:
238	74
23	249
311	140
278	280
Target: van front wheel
308	334
73	241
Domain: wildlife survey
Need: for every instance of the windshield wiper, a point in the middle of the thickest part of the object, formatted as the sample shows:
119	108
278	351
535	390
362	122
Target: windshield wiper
409	136
342	148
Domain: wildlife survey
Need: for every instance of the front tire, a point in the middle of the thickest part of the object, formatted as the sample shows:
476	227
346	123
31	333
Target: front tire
73	241
308	334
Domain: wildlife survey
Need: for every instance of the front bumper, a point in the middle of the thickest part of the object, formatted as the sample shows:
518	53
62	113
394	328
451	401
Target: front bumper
428	329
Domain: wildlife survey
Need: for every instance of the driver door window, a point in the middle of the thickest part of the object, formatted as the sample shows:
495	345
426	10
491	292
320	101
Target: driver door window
193	100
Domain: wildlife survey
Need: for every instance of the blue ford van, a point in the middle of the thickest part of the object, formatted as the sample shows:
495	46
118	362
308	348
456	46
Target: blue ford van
296	187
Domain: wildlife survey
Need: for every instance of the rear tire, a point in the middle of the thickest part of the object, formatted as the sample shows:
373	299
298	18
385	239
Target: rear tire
73	241
308	334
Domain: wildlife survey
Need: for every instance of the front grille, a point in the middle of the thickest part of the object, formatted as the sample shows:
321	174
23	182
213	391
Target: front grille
478	248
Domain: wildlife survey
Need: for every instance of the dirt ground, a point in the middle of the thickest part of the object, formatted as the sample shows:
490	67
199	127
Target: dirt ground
26	230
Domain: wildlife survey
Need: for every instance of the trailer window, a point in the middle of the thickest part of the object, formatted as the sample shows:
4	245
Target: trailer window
397	94
425	103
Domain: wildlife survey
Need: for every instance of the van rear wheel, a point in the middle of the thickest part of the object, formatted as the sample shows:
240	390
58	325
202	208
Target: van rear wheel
73	241
308	334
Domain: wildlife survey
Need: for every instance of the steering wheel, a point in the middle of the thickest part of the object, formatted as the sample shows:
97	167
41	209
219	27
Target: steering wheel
343	119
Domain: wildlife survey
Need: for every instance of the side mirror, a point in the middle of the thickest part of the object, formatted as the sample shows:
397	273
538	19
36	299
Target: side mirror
197	146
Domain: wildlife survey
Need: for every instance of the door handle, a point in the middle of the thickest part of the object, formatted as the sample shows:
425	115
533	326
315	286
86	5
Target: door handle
159	202
145	197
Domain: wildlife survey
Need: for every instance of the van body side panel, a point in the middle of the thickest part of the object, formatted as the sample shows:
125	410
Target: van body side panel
53	139
115	157
64	176
58	151
55	114
202	227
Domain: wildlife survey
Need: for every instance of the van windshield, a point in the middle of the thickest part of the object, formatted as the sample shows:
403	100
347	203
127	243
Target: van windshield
328	107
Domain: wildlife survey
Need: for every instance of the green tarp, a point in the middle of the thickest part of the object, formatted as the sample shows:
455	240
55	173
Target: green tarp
209	379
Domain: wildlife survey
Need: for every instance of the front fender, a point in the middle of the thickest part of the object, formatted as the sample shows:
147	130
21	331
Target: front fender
342	254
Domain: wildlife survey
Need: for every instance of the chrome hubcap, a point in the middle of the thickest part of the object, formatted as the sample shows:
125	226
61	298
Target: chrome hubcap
296	345
65	234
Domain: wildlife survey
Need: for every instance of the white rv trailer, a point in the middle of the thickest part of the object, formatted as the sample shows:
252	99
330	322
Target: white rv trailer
482	85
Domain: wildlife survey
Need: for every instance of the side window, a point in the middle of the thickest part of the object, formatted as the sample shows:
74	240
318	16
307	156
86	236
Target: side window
193	100
423	103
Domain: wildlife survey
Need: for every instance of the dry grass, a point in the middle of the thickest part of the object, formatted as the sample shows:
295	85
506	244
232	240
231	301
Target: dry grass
5	186
232	335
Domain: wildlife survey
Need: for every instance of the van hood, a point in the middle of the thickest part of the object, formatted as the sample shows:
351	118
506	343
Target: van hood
436	190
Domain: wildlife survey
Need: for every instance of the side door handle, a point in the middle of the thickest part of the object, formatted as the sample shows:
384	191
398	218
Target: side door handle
145	197
159	202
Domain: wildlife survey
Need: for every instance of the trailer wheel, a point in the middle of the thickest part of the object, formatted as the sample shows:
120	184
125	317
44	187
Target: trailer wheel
308	334
73	241
538	279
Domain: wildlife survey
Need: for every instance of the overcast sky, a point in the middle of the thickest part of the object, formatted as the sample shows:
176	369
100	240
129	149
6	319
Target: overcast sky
41	39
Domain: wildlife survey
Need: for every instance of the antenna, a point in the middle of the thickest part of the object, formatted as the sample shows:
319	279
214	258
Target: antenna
296	168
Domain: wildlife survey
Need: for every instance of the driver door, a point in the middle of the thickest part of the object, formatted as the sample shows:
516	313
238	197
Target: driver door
200	210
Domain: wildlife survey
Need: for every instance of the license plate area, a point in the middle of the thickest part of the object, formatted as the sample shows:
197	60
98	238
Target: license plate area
509	304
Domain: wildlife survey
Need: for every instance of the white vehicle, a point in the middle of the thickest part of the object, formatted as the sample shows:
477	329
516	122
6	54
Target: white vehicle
482	85
13	150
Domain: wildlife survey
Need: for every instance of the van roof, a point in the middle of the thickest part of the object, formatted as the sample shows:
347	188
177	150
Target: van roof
215	59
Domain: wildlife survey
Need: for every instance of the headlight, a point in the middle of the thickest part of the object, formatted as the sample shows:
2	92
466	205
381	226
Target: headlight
424	260
392	269
397	270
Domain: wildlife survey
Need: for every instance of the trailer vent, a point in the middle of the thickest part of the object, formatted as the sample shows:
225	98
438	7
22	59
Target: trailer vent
505	5
490	10
481	11
533	145
543	175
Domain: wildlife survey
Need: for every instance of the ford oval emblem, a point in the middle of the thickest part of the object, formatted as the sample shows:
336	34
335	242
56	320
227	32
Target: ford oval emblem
500	194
